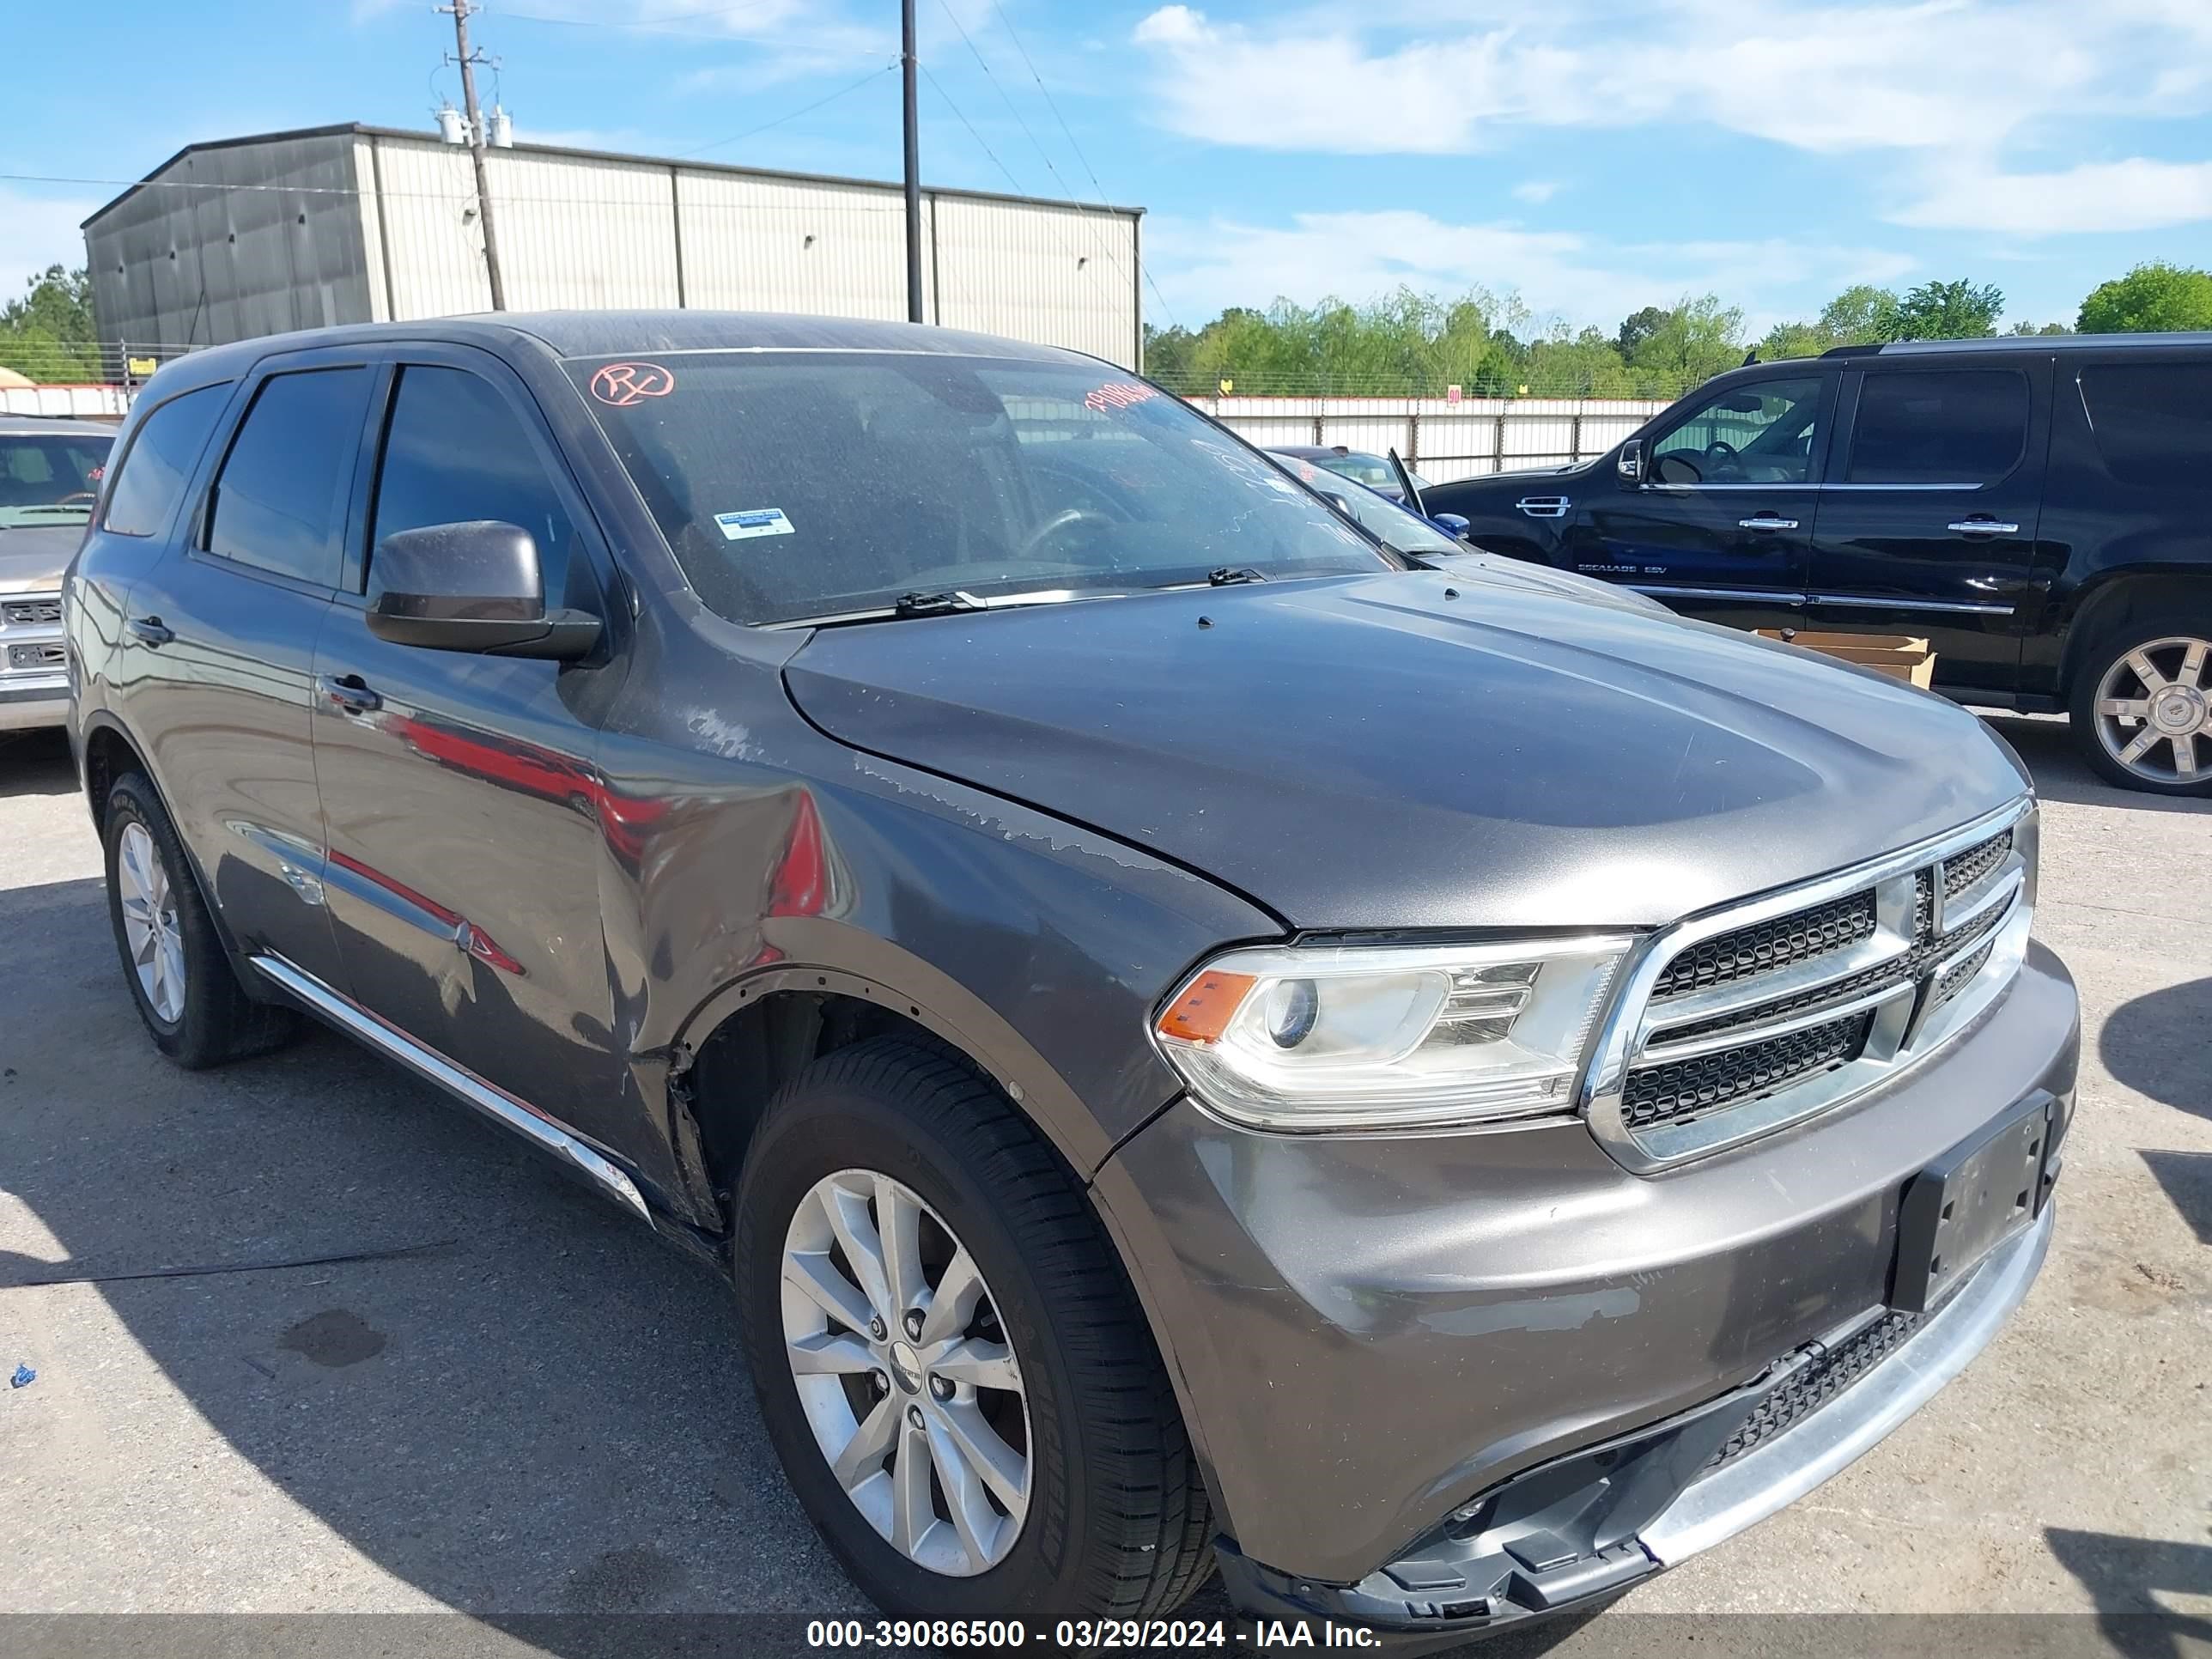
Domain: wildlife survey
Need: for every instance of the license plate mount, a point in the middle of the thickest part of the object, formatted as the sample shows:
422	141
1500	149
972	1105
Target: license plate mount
1967	1202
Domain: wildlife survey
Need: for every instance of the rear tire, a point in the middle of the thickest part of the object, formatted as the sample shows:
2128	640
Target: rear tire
1113	1521
180	977
2167	717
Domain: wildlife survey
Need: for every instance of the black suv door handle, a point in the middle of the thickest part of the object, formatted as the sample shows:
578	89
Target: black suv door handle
150	630
351	693
1981	525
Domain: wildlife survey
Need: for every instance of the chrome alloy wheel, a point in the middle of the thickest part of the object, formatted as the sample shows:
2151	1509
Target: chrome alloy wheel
149	923
905	1373
2155	711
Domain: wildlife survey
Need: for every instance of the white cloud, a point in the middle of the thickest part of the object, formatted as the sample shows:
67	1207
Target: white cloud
1850	75
2137	194
1535	191
1358	256
35	232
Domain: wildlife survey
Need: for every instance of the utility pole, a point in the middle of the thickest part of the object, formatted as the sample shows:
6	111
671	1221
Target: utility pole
468	61
907	64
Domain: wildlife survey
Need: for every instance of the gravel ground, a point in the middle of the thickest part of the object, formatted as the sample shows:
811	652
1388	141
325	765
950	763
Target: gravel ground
512	1402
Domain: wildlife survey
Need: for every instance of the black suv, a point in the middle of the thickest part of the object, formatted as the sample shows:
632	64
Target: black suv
2041	511
930	824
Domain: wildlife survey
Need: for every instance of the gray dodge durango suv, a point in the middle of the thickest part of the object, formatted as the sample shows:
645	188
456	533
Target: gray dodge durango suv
1197	1038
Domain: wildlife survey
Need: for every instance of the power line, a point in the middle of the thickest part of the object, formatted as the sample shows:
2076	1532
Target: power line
792	115
1007	23
655	26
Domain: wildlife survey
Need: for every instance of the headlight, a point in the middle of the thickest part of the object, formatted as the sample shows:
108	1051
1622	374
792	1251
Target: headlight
1352	1037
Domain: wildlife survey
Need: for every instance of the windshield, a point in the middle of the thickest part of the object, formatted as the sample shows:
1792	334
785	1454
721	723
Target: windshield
799	485
49	477
1379	516
1370	470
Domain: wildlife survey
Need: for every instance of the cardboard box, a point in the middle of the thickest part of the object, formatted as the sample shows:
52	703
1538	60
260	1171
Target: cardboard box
1900	656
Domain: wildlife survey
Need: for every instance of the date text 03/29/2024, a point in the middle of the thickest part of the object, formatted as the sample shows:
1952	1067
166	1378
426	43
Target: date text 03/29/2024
891	1634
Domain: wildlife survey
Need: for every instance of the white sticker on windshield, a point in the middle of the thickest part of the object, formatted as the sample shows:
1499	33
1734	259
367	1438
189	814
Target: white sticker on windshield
754	521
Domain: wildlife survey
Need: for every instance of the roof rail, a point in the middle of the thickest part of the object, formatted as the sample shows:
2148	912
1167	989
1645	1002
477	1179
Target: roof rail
1851	351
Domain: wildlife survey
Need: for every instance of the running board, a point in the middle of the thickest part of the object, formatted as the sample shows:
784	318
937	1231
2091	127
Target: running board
433	1067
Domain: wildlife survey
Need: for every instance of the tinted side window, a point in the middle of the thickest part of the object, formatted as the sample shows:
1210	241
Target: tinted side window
2152	422
1763	432
455	451
280	502
161	461
1953	426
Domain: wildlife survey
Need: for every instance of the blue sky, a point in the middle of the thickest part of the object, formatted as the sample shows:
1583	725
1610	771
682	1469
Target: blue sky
1589	155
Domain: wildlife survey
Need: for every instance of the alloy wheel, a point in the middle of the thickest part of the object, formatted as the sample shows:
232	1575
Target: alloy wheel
2153	711
151	926
905	1372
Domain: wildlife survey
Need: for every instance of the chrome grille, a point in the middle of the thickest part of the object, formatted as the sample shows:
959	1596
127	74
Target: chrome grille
1741	1022
1774	943
1679	1089
31	613
1966	871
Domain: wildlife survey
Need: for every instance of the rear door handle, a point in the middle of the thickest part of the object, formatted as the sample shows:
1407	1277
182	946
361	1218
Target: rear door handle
150	630
351	693
1766	521
1982	527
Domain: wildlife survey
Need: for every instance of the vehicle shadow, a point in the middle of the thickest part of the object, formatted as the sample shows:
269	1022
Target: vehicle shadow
36	764
2154	1044
2134	1581
2047	747
489	1382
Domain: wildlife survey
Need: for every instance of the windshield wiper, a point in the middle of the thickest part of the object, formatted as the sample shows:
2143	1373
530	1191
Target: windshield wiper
1231	575
934	604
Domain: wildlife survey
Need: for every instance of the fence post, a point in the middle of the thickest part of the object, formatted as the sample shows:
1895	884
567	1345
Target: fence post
1497	445
1575	437
1412	440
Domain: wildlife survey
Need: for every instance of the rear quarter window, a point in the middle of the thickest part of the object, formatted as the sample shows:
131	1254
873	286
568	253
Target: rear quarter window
160	462
2152	422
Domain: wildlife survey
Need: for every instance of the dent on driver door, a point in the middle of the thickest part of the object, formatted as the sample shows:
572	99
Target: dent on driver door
462	791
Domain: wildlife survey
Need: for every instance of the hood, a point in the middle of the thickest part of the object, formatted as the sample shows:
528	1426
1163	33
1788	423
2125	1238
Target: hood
1364	752
31	560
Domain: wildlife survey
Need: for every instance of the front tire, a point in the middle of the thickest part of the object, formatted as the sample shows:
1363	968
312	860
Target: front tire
174	960
931	1305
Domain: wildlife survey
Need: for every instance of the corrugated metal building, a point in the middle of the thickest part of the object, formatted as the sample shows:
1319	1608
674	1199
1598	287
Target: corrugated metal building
251	236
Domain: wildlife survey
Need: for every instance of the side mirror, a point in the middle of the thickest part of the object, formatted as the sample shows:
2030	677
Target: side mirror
1454	524
1631	464
1337	500
471	586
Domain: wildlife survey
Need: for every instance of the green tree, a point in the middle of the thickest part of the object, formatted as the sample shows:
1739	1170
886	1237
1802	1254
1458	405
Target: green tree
1635	329
1584	365
2155	298
1859	315
1795	340
1944	311
1694	340
49	333
1168	354
2046	328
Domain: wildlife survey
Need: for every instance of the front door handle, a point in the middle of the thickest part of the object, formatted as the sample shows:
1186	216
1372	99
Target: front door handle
1766	521
1982	526
150	630
351	693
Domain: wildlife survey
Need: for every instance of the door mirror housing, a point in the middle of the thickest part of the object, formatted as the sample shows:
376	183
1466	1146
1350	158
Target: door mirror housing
471	586
1631	465
1454	524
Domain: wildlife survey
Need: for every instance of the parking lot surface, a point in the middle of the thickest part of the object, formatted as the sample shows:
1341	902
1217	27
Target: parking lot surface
309	1340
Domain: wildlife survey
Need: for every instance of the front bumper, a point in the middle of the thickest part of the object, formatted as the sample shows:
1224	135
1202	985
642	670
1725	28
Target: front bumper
1600	1521
34	706
1371	1335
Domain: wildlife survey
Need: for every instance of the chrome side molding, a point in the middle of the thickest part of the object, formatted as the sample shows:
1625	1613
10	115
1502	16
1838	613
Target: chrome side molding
465	1086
